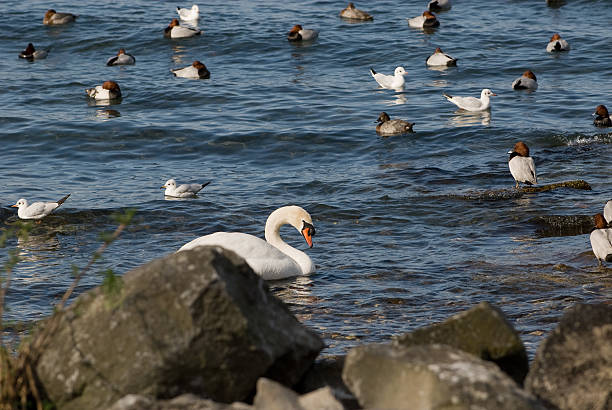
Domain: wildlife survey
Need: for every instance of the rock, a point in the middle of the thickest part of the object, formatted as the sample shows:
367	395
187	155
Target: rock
327	372
572	368
563	225
275	396
435	377
182	402
482	331
196	322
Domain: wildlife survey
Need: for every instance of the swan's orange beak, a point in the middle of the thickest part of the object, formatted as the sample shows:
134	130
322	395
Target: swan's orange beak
307	236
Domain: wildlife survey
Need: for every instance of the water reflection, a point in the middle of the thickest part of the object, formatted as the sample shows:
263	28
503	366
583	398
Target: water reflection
107	114
35	247
469	118
91	102
441	68
295	291
399	99
555	4
179	53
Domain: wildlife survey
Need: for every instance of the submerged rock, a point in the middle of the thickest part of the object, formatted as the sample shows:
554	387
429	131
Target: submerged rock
563	225
572	369
482	331
198	322
432	377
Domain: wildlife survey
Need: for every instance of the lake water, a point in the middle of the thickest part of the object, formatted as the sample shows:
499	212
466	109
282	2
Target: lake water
399	242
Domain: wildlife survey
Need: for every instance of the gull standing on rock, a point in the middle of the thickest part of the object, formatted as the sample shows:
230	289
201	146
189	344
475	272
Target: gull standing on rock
522	166
183	190
601	240
352	13
391	82
37	210
527	81
472	103
189	14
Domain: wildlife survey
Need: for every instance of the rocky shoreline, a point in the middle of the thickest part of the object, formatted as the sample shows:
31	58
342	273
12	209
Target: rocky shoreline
199	330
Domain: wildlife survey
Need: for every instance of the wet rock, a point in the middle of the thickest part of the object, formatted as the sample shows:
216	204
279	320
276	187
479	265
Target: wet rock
275	396
572	368
5	214
182	402
327	372
432	377
196	322
506	194
563	225
482	331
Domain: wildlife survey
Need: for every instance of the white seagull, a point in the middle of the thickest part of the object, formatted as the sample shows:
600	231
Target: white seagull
183	190
37	210
471	103
189	14
391	82
522	166
601	240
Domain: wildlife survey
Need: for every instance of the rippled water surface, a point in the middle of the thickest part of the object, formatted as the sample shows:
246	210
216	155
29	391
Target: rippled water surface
404	237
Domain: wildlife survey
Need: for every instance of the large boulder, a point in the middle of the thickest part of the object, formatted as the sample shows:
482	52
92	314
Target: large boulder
327	372
182	402
275	396
572	369
434	377
197	321
482	331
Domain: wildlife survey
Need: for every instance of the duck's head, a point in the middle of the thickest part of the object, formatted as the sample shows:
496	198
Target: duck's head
20	203
111	86
121	51
195	8
530	74
294	33
49	14
198	65
600	221
171	183
383	117
350	6
520	149
438	50
173	23
29	50
555	37
601	111
429	16
294	216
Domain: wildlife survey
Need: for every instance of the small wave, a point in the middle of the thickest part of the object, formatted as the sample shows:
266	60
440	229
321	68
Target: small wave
588	139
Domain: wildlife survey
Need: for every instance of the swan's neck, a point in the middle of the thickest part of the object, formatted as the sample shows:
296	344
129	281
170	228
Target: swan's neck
272	234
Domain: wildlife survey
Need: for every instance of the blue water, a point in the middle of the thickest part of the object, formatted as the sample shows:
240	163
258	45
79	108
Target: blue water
398	246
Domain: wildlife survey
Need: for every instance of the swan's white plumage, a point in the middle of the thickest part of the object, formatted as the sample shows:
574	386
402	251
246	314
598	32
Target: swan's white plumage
273	258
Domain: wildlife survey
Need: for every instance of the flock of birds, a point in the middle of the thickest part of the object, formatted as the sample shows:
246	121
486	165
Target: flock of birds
274	258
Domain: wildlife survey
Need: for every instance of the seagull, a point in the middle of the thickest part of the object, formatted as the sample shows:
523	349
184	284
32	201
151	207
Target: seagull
122	58
183	190
189	14
195	70
391	82
471	103
109	90
522	166
37	210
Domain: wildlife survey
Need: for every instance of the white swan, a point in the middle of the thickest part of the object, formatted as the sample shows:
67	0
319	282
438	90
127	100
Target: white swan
273	258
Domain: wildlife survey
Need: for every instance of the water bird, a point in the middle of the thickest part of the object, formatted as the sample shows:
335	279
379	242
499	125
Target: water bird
425	20
439	58
37	210
602	117
522	166
298	33
472	103
391	82
30	53
601	239
272	258
122	58
352	13
527	81
109	90
195	70
52	17
556	43
439	5
189	14
174	30
387	127
608	211
183	190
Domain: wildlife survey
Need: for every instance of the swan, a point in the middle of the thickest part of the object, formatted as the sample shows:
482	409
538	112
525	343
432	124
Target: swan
273	258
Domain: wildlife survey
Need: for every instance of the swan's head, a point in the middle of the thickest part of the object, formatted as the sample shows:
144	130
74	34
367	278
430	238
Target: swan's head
20	203
294	216
600	221
171	183
400	71
487	93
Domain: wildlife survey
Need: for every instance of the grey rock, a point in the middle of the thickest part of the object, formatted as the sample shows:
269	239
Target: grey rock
563	225
327	372
196	322
182	402
274	396
482	331
433	377
572	369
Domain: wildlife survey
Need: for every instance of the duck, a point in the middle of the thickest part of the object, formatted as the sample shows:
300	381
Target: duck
183	190
608	212
440	58
522	166
298	33
425	20
602	117
527	81
189	14
387	127
122	58
30	53
52	18
472	103
556	43
174	30
601	239
273	258
352	13
439	5
109	90
391	82
195	70
37	210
